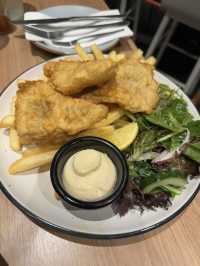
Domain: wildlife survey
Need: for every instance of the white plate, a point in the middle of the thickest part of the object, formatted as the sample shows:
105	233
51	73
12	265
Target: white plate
33	194
68	11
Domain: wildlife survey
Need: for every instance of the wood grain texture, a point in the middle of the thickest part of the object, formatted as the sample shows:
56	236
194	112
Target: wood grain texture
22	243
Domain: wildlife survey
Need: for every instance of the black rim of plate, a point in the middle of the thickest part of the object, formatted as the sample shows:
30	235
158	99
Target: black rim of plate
48	225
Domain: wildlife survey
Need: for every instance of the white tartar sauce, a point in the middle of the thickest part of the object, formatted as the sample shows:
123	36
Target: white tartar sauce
89	175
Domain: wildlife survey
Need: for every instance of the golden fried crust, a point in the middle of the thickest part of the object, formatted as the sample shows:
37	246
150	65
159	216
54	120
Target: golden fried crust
44	115
133	88
71	77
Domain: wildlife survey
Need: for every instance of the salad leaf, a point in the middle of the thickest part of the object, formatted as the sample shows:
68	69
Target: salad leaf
172	190
143	123
140	119
132	170
145	141
162	175
150	179
184	164
174	142
194	128
172	112
170	181
193	151
196	145
166	94
143	169
133	197
174	116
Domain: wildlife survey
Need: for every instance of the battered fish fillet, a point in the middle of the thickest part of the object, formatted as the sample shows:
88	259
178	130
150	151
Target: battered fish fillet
71	77
132	88
44	115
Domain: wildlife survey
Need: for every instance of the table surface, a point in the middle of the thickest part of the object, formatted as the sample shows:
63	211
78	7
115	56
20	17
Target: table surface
22	243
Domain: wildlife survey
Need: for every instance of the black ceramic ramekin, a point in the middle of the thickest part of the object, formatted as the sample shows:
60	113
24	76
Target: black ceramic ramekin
78	144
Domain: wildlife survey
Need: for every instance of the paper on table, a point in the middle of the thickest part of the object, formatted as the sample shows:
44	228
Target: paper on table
74	34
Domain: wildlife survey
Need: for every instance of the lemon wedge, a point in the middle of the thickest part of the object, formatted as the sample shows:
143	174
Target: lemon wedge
124	136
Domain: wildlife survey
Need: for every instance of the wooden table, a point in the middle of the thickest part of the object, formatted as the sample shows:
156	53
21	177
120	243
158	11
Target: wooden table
22	243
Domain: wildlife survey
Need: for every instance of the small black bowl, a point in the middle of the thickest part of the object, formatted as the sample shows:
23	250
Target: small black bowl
82	143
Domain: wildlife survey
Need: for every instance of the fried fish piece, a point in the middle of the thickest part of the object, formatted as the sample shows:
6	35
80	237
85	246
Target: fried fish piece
44	115
133	87
71	77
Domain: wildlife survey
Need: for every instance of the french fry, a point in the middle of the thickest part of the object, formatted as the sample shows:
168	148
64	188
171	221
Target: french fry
150	61
138	54
7	121
14	140
116	57
97	132
31	162
44	168
91	57
97	52
112	54
80	51
111	118
40	149
20	81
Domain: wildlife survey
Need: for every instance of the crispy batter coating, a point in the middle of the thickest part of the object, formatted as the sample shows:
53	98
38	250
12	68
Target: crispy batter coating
44	115
132	87
71	77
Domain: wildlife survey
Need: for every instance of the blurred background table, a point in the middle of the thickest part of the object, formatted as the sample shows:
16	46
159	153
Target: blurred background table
22	243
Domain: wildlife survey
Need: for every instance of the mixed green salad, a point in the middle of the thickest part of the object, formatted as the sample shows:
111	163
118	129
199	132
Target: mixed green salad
164	156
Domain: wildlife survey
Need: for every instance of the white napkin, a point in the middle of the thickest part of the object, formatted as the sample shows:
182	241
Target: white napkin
124	31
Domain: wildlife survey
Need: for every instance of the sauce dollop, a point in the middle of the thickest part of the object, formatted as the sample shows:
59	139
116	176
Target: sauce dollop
89	175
